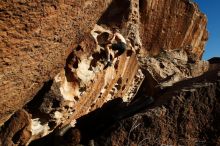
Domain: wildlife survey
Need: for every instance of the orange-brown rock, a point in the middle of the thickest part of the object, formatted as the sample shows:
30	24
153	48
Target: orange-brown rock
173	24
36	37
85	84
17	130
164	42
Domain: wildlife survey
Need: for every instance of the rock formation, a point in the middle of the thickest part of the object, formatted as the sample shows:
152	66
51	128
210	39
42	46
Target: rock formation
186	114
36	38
80	72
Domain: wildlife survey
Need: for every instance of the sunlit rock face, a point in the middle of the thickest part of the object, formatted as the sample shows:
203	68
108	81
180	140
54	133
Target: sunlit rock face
78	61
36	38
85	84
167	25
170	67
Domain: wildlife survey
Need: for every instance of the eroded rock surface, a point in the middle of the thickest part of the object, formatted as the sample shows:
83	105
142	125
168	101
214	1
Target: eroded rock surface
186	114
172	24
85	84
170	67
36	37
83	69
17	130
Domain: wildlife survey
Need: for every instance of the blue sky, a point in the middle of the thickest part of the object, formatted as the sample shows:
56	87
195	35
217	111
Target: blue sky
212	10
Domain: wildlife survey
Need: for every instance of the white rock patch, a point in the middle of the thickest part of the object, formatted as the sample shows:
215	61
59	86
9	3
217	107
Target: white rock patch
83	71
67	89
38	129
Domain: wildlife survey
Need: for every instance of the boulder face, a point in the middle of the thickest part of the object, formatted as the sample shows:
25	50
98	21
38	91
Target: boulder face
187	115
80	72
167	25
36	38
170	67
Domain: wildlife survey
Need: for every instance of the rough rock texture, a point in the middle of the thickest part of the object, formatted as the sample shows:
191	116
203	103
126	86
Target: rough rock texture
86	83
84	86
170	67
19	131
186	114
178	20
74	73
36	37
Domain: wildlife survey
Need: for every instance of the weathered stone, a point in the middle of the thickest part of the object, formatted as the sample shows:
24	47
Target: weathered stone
84	85
188	116
56	54
170	67
168	25
36	37
17	130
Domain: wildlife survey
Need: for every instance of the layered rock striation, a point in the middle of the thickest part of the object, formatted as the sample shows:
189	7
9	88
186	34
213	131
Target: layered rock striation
63	62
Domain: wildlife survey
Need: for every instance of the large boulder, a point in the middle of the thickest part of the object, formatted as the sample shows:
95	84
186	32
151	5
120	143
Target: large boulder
55	57
36	38
172	24
185	114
